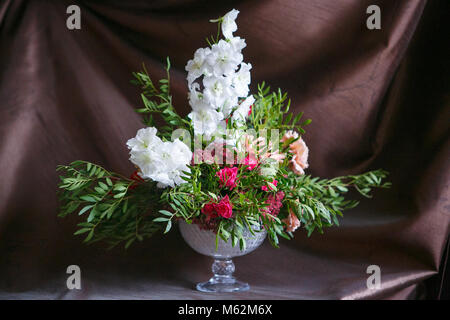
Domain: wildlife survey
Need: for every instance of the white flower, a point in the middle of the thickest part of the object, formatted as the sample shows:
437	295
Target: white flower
241	113
237	43
217	90
223	59
160	161
197	100
229	105
241	80
228	23
145	139
147	161
197	66
175	157
206	121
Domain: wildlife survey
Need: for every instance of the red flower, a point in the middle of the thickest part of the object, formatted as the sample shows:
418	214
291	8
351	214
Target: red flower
208	210
222	209
227	177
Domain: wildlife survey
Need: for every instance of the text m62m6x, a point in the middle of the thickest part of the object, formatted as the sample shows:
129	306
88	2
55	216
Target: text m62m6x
244	309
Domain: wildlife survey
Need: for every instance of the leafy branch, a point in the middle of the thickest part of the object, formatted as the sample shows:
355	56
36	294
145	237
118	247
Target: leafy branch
117	209
272	111
158	101
318	202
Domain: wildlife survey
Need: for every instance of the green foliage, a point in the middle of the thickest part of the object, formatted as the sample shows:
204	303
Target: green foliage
115	209
158	101
318	202
118	209
271	111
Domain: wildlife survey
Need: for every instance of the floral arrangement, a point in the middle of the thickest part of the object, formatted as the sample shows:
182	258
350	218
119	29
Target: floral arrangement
236	162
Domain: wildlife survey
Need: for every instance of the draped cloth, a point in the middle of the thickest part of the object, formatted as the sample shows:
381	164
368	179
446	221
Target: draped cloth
377	99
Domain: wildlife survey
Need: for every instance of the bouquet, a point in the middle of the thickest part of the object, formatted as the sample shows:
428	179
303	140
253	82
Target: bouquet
237	162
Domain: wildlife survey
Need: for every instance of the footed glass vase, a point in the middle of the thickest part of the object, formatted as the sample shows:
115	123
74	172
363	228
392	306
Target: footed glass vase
204	242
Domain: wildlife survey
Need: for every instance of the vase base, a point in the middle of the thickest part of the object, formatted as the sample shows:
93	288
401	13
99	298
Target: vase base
222	285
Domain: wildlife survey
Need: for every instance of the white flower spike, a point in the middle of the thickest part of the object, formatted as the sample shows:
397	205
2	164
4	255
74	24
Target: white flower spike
217	79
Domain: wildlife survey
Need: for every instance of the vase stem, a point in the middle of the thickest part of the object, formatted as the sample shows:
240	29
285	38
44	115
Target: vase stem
223	269
223	279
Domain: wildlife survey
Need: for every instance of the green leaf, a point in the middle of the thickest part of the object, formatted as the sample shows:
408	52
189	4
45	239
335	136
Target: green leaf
103	186
82	231
342	189
92	215
99	190
166	213
119	187
88	198
125	206
86	208
169	225
272	187
242	244
129	242
89	236
120	195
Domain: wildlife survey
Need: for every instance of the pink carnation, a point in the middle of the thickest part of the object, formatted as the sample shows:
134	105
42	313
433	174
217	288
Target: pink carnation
300	152
227	177
292	222
251	162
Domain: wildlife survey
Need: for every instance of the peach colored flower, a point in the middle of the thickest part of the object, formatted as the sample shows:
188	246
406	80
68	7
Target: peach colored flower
269	153
250	145
276	156
299	161
261	149
289	135
292	222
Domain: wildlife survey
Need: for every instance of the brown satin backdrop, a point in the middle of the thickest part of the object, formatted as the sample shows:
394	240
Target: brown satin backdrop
377	99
